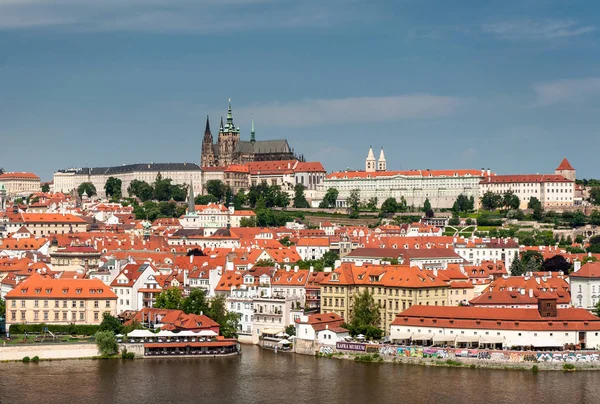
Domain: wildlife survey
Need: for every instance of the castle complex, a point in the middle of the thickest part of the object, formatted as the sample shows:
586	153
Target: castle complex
229	149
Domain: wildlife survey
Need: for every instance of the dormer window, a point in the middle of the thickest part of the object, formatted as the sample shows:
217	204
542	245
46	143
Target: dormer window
38	291
65	291
78	291
100	291
48	291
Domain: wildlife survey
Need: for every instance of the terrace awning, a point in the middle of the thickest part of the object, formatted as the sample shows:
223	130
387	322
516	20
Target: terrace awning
444	338
487	339
467	338
422	337
546	342
141	334
403	335
207	333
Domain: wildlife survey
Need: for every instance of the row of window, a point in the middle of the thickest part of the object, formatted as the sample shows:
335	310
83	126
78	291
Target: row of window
65	303
57	316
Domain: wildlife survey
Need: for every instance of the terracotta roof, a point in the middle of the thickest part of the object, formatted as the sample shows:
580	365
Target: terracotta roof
39	287
587	270
412	173
497	179
570	319
565	165
51	218
18	176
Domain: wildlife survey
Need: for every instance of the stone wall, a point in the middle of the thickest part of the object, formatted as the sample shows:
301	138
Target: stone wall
48	351
304	347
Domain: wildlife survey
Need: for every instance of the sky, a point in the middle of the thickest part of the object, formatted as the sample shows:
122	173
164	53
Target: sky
510	85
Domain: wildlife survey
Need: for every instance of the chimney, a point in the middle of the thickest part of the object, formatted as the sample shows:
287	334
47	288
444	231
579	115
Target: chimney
522	291
576	266
530	292
191	259
489	172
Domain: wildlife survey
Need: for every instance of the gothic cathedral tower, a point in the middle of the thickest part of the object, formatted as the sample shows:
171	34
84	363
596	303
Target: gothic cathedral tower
229	136
207	158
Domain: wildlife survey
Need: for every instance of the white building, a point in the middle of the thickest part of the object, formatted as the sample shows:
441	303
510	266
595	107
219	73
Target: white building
312	248
544	327
477	250
552	190
214	216
441	187
316	330
585	285
179	173
127	284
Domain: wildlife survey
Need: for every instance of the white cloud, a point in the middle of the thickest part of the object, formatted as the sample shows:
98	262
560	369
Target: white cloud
313	112
537	30
566	91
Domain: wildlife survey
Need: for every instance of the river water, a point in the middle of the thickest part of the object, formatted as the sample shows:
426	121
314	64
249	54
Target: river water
259	376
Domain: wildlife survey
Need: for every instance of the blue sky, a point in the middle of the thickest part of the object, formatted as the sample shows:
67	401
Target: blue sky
509	85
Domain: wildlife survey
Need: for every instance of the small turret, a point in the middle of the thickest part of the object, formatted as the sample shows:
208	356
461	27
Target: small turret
191	199
381	163
252	133
370	163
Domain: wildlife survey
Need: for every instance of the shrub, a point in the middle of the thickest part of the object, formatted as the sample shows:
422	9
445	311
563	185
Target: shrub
26	359
451	362
535	368
127	355
569	367
107	343
35	359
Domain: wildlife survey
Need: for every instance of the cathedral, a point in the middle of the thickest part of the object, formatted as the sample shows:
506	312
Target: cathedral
229	149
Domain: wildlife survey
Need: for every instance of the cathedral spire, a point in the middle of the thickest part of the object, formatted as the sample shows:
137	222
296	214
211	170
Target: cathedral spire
207	130
221	127
252	133
229	116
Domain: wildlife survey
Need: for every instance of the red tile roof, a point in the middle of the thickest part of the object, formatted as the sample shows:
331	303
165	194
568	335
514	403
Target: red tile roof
587	270
565	165
498	179
18	176
39	287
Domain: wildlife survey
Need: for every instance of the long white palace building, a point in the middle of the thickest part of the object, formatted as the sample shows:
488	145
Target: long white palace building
441	187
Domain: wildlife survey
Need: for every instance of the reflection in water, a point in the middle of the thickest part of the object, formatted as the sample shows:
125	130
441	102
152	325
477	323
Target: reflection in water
259	376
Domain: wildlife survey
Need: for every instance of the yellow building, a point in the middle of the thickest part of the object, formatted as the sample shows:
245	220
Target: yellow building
59	301
394	288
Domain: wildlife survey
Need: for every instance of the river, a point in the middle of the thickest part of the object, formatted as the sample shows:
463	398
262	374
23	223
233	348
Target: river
259	376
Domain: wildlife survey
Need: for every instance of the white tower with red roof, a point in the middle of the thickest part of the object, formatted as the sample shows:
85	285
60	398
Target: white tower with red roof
566	170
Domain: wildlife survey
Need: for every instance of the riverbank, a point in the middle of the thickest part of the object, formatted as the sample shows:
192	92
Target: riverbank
469	363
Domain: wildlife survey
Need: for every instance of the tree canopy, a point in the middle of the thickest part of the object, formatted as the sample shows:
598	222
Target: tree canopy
86	187
463	204
45	187
556	263
112	188
110	323
330	198
106	342
353	203
491	201
216	188
517	268
271	196
365	316
299	198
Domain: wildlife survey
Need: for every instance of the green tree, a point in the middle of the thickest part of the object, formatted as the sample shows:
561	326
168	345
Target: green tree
248	222
389	207
107	343
179	192
535	204
162	188
229	321
510	200
86	187
532	266
169	299
353	203
463	204
140	189
594	246
239	200
556	263
597	309
216	188
426	205
286	242
578	219
110	323
330	198
595	218
372	203
290	330
365	313
195	303
2	307
299	198
329	258
112	188
595	195
264	263
516	268
531	255
45	187
491	200
205	199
